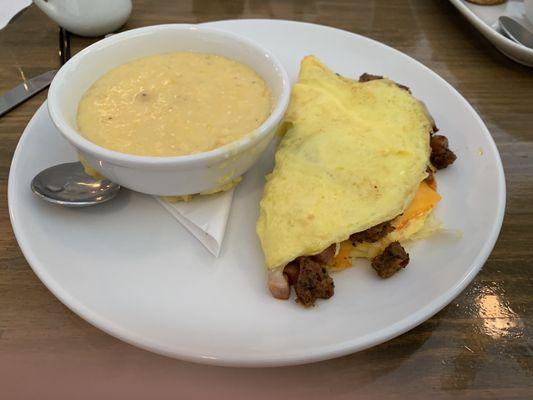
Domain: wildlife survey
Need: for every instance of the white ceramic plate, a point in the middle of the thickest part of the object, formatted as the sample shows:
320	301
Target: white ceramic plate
485	20
132	270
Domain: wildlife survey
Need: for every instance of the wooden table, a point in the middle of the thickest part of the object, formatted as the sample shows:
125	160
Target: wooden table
480	346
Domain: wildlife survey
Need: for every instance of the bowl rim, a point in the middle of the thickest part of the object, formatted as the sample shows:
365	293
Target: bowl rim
225	151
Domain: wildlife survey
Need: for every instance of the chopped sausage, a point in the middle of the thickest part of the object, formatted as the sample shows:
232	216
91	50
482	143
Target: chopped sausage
441	155
313	282
406	88
278	284
292	271
369	77
325	257
372	234
393	259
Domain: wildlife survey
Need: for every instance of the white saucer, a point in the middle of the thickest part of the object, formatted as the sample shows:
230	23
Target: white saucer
485	20
130	269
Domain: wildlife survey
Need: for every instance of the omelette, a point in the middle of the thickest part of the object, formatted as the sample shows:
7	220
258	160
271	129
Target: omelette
353	177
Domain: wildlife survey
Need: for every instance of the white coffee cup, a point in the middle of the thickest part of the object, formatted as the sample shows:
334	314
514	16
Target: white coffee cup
87	17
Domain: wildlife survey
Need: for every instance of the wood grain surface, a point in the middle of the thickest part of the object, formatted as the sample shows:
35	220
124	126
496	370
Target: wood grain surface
479	347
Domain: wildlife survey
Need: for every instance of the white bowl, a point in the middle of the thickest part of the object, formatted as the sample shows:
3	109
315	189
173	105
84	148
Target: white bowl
179	175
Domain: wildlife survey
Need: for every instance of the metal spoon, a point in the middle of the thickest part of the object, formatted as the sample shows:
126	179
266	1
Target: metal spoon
68	185
514	30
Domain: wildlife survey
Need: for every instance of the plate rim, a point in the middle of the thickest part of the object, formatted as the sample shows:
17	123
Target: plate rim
318	354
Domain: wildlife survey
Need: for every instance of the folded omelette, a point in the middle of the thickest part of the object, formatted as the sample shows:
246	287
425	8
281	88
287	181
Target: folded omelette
352	178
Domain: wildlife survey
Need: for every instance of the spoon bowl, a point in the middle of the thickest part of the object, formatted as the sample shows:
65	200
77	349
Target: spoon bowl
515	31
68	185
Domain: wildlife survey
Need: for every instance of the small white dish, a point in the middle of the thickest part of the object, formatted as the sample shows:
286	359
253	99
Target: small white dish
485	20
130	269
166	176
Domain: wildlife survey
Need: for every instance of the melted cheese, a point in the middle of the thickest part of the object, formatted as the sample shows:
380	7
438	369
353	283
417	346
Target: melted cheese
424	201
408	224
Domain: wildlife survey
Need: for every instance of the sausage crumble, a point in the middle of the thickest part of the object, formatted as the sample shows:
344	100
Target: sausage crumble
313	282
393	259
372	234
369	77
441	155
310	277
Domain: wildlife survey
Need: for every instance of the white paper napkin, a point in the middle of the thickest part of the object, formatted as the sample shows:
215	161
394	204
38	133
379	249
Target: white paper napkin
8	8
204	216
